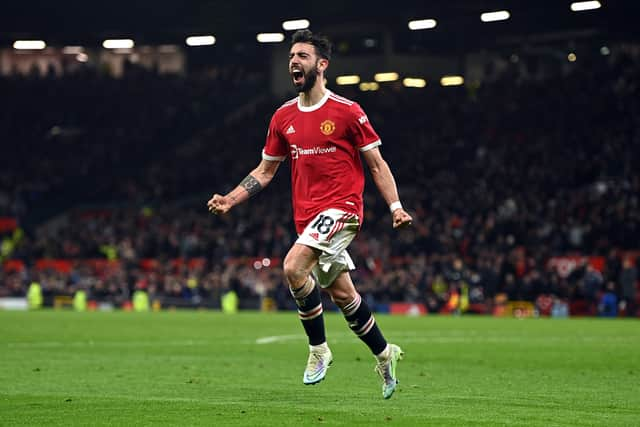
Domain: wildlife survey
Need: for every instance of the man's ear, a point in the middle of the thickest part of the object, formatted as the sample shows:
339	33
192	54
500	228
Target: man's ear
323	64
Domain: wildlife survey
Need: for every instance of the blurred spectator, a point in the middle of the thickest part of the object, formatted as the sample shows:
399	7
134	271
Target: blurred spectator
502	177
628	282
608	305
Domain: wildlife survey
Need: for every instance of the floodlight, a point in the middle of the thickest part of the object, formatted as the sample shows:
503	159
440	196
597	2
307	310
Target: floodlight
200	40
270	37
422	24
452	80
348	80
295	24
499	15
118	44
29	45
580	6
386	77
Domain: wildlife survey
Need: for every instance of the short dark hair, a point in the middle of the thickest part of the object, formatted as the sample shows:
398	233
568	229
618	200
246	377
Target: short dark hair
320	43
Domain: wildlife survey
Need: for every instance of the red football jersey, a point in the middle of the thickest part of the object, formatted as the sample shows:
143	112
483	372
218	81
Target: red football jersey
323	143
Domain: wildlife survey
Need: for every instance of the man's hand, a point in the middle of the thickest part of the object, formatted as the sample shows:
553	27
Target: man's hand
219	204
401	218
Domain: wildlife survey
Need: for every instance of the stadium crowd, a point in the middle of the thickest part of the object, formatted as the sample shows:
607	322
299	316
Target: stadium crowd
502	177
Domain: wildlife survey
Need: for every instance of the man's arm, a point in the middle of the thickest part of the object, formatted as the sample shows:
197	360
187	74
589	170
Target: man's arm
386	184
251	185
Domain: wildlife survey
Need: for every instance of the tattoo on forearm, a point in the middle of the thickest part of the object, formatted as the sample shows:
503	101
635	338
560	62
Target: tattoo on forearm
251	184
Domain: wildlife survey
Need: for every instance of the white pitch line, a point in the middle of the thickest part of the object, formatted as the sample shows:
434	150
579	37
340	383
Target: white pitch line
279	338
437	338
54	344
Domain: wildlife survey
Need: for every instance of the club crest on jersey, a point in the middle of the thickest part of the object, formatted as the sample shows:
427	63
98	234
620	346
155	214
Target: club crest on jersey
327	127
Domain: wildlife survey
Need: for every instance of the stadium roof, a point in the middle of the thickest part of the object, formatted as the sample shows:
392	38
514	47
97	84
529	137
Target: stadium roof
163	21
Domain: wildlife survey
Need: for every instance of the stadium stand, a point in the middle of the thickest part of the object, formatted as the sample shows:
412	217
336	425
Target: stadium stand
516	200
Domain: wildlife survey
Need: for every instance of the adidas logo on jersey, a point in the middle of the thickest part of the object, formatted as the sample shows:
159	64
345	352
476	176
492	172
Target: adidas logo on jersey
315	235
291	130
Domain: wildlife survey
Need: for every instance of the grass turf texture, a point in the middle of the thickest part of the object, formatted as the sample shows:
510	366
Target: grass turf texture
205	368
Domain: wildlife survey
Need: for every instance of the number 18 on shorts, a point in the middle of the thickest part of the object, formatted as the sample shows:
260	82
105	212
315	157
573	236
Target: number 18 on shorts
331	231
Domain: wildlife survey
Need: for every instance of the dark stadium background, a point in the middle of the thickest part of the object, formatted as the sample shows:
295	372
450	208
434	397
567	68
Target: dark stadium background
524	181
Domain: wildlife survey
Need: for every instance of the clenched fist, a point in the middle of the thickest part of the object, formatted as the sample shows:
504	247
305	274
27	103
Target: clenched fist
219	204
401	218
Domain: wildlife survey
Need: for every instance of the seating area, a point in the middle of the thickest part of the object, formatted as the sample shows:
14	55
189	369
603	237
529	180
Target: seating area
522	189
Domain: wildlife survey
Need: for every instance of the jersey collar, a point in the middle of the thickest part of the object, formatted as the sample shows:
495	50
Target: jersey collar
314	107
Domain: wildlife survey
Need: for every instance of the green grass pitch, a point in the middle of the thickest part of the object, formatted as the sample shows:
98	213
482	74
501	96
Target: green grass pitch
205	368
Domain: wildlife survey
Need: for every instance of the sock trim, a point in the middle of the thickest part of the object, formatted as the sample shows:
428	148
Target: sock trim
310	314
367	327
304	290
353	306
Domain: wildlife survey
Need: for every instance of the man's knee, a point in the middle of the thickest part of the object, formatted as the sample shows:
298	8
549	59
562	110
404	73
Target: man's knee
298	264
342	297
342	290
294	272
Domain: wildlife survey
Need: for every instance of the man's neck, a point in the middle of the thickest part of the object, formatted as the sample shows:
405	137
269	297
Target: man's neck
313	96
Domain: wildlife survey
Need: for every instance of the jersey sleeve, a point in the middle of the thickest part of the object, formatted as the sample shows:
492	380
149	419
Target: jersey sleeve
365	137
275	147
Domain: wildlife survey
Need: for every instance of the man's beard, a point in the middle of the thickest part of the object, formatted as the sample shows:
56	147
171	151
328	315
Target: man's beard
309	80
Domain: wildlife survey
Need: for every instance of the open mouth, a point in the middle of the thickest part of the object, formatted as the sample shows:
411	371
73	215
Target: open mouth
297	75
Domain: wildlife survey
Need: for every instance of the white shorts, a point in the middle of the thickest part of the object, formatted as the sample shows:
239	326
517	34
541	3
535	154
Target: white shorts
331	231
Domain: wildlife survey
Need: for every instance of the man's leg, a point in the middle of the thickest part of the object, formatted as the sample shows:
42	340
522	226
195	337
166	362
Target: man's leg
362	322
357	313
297	269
